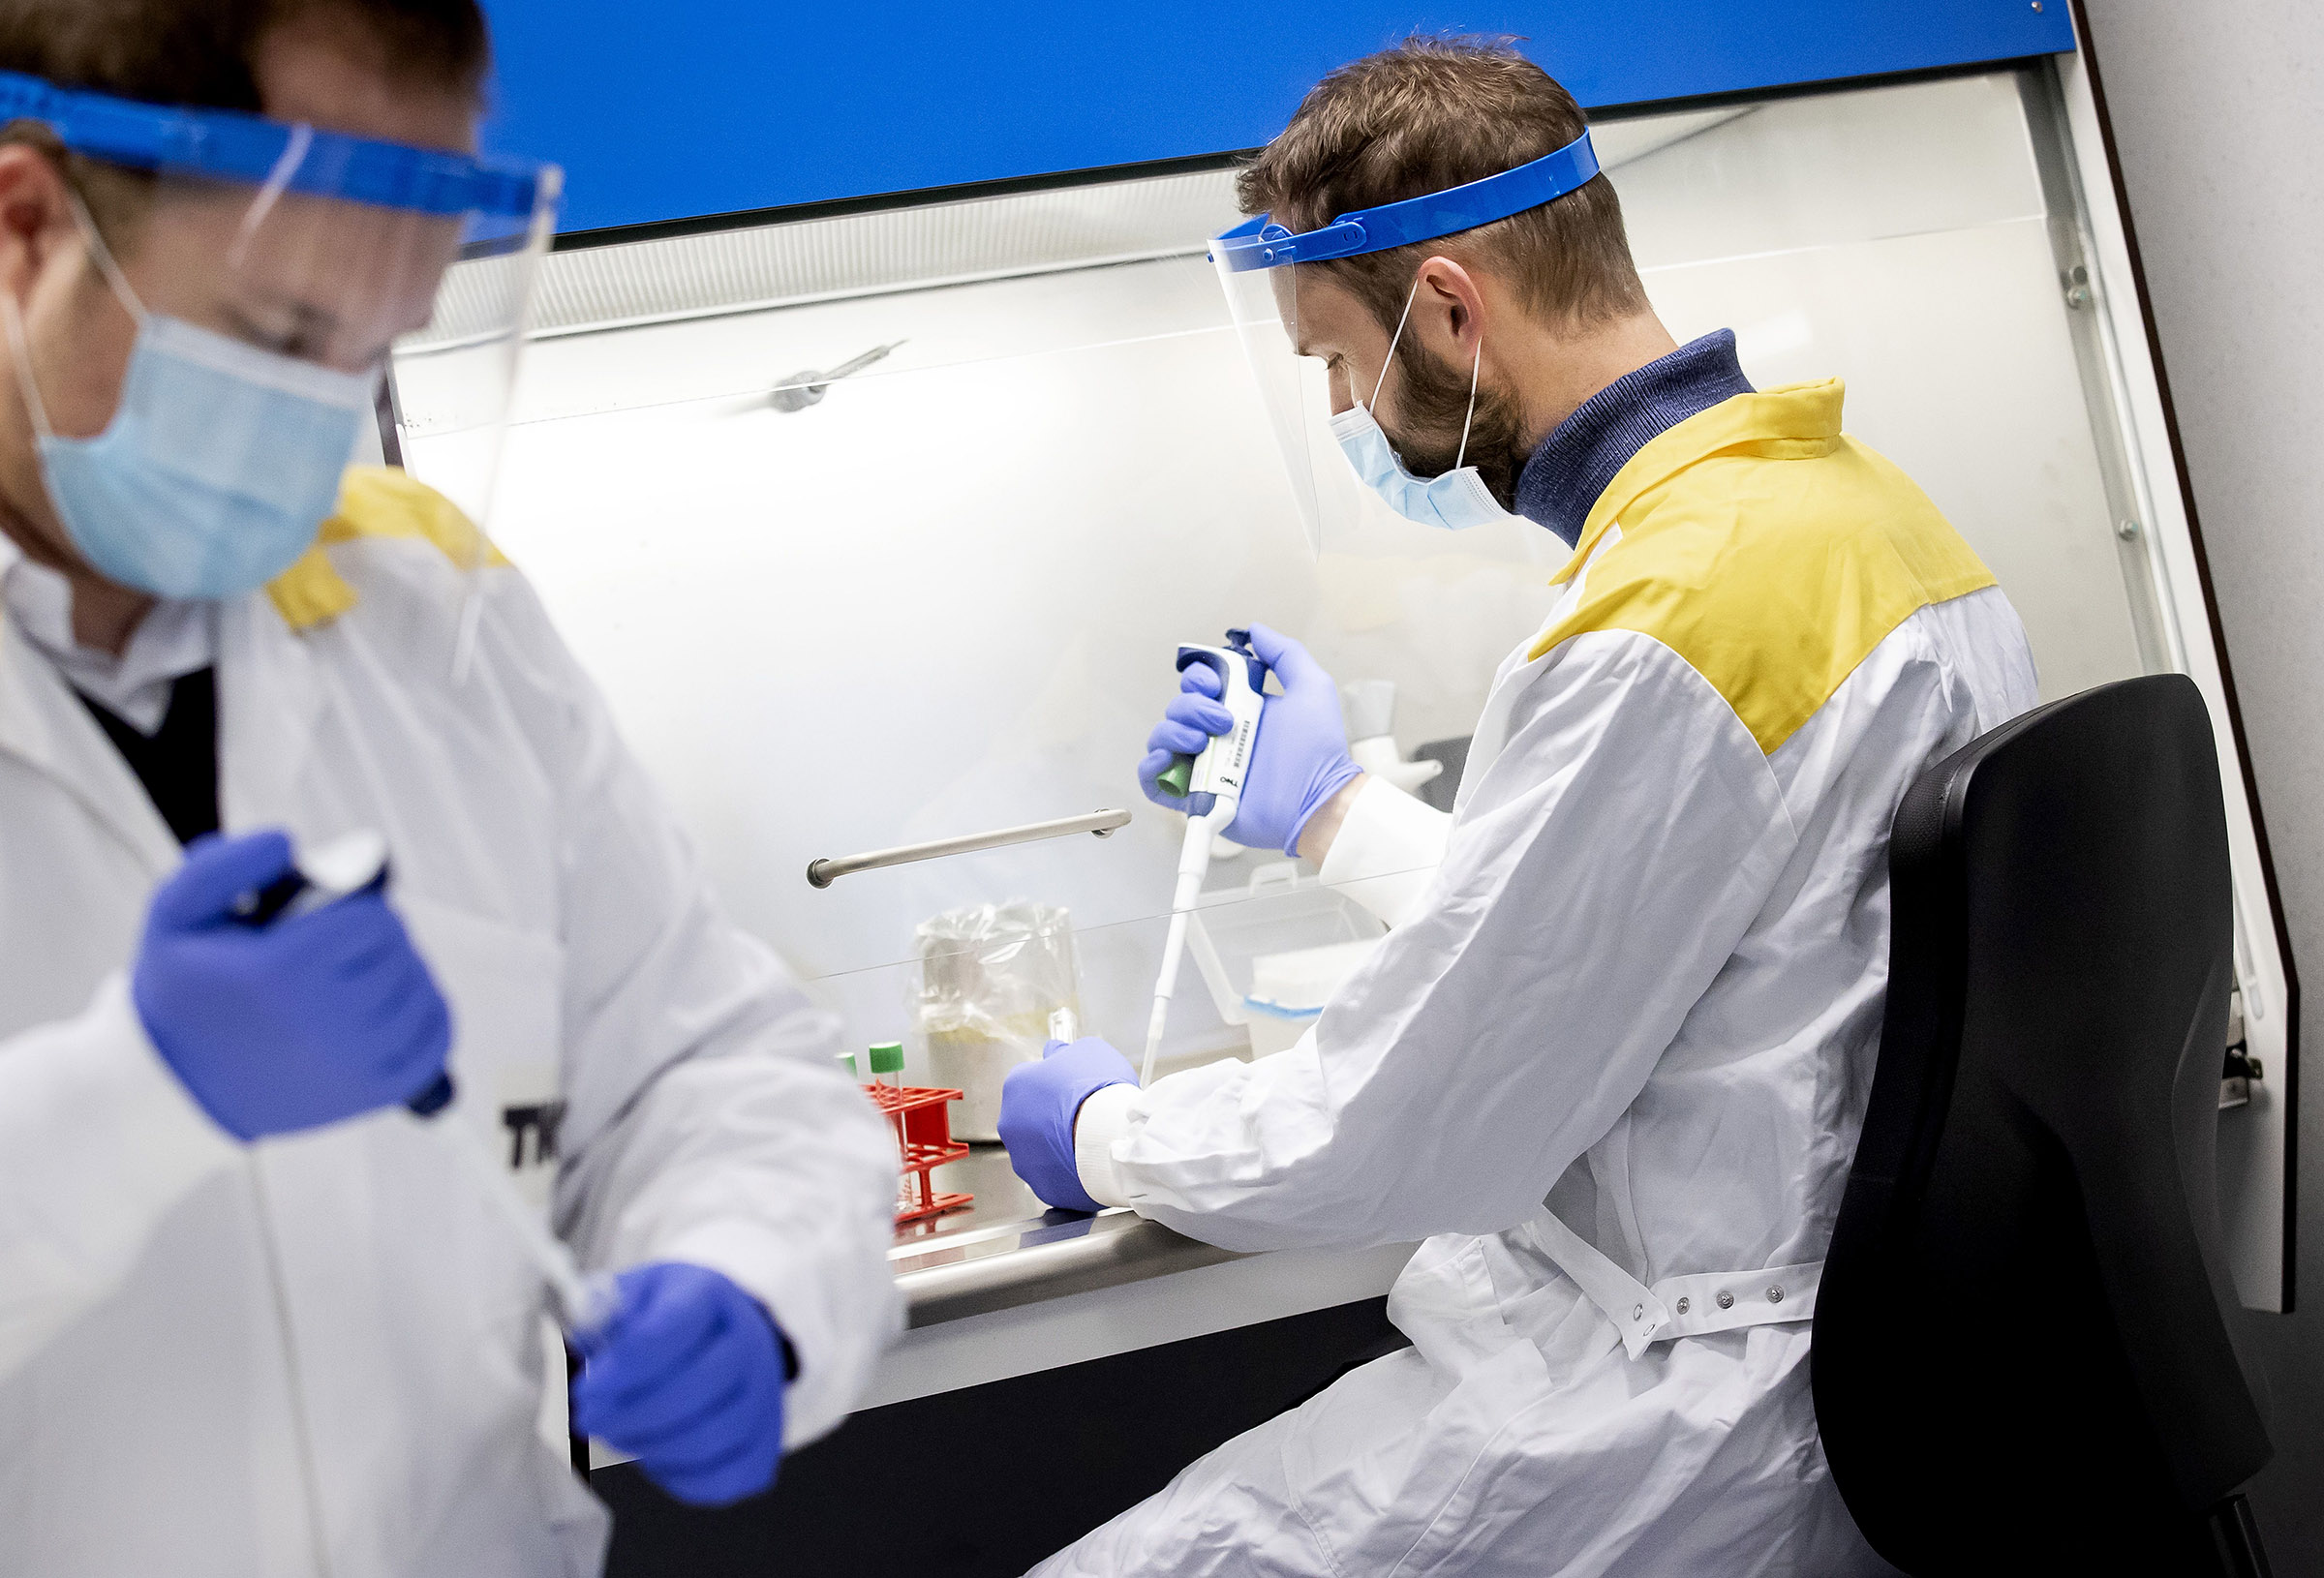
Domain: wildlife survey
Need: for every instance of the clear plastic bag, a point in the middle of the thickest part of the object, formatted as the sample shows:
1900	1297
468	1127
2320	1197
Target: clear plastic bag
990	978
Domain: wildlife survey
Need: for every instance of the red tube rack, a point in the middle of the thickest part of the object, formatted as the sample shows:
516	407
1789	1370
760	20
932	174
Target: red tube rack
923	1135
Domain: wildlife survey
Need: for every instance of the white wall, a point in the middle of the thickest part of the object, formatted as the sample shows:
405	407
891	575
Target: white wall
2219	116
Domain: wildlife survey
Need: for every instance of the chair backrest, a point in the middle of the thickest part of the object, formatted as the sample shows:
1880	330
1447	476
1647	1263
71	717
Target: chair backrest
2022	1344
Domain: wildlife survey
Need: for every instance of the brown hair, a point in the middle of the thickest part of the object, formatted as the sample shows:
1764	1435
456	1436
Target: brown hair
1438	112
204	53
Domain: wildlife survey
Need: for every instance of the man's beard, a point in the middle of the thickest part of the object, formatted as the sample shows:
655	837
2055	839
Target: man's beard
1432	400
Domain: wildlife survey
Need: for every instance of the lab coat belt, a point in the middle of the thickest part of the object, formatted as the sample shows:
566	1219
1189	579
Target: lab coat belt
1678	1306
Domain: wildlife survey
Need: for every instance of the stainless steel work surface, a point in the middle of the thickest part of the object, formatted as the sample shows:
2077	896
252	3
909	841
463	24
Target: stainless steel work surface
1008	1250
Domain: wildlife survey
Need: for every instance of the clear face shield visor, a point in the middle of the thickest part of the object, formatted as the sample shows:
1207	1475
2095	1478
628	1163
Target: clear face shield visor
454	377
1296	392
273	269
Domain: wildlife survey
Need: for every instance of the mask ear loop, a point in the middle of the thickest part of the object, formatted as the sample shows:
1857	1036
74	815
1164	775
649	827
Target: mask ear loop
21	353
1395	340
20	346
1475	367
103	256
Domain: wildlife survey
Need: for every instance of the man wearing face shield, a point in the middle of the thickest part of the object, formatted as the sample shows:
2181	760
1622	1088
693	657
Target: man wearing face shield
257	1317
1612	1060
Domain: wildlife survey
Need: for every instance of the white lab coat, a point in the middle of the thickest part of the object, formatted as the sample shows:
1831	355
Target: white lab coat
178	1313
1631	1001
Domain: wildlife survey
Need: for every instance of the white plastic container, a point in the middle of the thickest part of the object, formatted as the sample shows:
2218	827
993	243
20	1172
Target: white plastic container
1273	951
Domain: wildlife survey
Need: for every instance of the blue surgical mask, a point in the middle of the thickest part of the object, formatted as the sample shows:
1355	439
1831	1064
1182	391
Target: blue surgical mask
1455	500
218	469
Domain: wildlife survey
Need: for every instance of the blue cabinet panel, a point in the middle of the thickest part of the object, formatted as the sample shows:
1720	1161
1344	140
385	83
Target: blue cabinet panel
688	108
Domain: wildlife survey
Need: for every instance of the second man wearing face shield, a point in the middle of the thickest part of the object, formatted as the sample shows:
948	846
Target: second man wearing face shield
1612	1056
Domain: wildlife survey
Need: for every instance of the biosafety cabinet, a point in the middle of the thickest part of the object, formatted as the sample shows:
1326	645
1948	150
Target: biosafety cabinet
879	520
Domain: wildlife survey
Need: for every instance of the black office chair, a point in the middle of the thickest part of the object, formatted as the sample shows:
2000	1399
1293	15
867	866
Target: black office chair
2025	1356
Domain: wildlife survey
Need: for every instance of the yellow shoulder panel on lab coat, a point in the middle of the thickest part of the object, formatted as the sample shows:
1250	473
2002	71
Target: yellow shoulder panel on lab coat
1769	550
374	501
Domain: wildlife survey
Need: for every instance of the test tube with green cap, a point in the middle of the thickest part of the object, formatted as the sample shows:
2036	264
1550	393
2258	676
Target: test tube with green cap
887	1069
846	1062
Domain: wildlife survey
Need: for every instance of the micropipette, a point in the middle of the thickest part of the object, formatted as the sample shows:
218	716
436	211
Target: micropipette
357	863
1211	784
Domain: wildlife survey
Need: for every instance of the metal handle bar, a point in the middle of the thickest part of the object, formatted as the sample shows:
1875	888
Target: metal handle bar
823	873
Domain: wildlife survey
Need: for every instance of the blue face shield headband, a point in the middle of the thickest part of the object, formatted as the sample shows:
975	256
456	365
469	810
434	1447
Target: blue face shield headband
1261	243
229	146
303	256
1459	498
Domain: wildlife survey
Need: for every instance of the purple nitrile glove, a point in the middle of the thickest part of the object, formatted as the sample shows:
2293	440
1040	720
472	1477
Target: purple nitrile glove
1038	1105
292	1025
1300	761
687	1378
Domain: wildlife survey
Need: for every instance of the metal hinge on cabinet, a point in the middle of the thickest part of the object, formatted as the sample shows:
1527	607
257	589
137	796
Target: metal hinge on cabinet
2242	1070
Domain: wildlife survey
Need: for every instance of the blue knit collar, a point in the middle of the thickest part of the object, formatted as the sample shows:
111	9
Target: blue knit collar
1574	465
